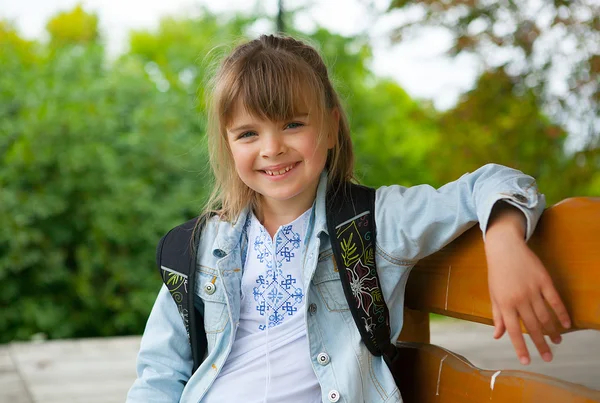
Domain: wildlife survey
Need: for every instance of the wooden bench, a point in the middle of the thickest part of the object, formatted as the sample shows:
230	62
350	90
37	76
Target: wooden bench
453	282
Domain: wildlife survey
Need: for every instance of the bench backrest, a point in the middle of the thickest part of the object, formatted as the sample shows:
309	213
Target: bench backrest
453	282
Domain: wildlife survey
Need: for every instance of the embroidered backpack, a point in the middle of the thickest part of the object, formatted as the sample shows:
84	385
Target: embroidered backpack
351	227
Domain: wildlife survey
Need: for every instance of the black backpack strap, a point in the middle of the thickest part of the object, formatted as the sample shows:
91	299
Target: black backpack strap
351	226
176	261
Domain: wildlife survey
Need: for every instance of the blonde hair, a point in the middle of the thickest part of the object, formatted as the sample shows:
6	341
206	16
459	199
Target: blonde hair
274	78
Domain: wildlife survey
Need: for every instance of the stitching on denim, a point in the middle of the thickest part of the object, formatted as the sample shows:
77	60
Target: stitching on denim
211	342
394	396
227	272
323	274
393	260
217	297
508	179
378	386
322	278
357	353
531	184
325	255
208	270
326	290
224	325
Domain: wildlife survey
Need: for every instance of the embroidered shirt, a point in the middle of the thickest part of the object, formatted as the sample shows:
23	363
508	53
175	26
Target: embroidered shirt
269	360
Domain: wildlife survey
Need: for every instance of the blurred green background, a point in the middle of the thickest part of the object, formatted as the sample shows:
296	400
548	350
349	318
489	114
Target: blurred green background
100	156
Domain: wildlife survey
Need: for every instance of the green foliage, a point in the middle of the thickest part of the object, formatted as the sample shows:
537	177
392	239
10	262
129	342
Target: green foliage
185	52
540	43
392	133
393	136
493	123
96	164
73	27
98	159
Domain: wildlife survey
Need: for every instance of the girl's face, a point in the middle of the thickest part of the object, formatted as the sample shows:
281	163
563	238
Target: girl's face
282	161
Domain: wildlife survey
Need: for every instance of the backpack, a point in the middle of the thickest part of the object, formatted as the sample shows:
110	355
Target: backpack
351	227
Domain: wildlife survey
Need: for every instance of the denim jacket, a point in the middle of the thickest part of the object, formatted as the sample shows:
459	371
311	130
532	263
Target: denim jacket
411	224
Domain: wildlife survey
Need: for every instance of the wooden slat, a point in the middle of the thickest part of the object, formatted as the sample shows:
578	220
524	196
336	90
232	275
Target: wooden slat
415	327
453	282
444	377
574	359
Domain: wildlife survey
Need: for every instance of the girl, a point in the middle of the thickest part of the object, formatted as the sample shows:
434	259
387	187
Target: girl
277	322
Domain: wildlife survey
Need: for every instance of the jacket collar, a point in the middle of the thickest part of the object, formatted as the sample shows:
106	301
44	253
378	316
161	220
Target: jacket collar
320	208
229	234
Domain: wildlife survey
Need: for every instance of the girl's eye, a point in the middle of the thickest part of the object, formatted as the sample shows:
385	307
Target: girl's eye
294	125
246	135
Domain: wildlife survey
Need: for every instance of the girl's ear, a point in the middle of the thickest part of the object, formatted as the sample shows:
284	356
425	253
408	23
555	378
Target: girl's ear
335	127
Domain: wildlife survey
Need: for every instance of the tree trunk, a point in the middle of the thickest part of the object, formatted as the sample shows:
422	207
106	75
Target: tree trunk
280	23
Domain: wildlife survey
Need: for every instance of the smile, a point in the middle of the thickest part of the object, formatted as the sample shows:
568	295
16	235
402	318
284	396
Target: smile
280	171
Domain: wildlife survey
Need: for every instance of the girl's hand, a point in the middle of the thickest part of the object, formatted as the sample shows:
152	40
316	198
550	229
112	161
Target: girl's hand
520	287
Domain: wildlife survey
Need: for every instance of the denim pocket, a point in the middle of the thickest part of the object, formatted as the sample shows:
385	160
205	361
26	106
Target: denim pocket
212	293
328	284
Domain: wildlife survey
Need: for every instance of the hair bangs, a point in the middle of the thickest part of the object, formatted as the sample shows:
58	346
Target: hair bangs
275	87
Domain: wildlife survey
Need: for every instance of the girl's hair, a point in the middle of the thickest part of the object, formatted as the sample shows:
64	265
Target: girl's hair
274	78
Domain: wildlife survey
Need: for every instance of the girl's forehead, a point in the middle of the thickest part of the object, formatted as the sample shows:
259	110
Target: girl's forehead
241	114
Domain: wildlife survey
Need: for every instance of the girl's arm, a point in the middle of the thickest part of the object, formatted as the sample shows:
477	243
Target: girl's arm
415	222
520	286
164	361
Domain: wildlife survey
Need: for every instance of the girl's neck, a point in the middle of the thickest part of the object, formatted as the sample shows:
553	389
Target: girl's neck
273	214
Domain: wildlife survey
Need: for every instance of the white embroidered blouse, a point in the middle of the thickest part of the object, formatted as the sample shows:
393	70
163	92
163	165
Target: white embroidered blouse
269	360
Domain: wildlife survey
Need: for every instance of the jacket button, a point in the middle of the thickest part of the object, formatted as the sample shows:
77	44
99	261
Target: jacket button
333	395
210	288
312	309
323	359
219	253
519	197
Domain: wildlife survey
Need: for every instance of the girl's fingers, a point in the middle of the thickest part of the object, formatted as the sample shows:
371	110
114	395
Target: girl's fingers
551	295
545	318
516	337
534	328
499	327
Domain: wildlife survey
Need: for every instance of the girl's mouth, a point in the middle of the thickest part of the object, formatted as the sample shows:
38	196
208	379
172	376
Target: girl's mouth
280	172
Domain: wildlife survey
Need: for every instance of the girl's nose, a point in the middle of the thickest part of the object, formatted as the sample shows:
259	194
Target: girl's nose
272	145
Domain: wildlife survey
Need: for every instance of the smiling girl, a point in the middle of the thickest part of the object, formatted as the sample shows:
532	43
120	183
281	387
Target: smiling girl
277	323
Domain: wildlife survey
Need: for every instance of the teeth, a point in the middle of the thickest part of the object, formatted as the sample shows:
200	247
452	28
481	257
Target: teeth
280	172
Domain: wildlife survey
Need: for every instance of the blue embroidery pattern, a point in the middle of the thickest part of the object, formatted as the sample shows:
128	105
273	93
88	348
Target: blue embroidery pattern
261	246
276	293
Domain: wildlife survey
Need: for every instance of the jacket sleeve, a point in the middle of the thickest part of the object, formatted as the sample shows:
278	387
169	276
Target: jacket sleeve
417	221
164	362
